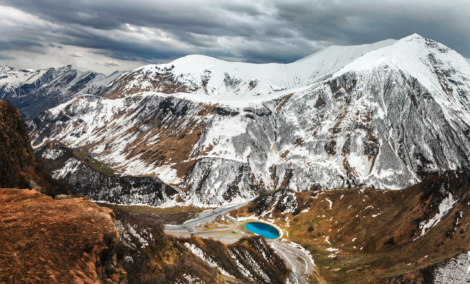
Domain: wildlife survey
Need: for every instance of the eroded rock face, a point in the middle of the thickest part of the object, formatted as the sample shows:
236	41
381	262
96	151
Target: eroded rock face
56	241
84	180
384	120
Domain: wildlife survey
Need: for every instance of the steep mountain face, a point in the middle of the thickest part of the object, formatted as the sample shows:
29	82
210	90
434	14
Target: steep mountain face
86	179
18	166
33	91
380	115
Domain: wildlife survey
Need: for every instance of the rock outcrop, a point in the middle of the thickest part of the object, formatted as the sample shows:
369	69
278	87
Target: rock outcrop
18	165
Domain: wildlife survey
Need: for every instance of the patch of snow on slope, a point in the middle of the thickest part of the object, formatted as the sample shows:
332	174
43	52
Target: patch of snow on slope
190	279
446	205
137	236
331	203
52	154
455	271
70	167
198	252
243	270
302	249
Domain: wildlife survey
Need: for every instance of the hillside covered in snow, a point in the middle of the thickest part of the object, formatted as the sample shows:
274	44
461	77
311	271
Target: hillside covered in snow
380	115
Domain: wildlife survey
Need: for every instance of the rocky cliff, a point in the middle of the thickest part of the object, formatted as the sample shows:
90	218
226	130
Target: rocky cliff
18	166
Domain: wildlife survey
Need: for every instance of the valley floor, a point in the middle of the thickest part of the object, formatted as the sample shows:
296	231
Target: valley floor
219	225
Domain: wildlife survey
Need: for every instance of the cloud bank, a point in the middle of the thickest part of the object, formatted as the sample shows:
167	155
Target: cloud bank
109	35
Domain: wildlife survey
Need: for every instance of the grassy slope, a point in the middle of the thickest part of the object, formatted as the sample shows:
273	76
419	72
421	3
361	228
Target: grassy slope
55	241
381	246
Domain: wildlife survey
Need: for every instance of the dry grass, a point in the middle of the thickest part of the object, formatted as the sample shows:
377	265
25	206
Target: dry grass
376	246
54	241
170	215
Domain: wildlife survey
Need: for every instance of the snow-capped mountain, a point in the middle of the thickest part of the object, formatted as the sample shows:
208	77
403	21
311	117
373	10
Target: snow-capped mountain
33	91
220	80
221	132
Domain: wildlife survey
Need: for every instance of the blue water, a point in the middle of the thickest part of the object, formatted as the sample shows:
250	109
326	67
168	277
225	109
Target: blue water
269	232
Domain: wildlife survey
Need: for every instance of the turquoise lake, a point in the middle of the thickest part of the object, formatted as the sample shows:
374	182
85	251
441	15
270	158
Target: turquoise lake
265	230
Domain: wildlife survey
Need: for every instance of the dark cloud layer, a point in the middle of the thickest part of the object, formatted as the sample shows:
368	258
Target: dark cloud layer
254	31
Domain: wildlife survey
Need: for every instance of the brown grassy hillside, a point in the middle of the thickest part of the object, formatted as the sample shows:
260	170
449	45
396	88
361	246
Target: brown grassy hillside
366	235
56	241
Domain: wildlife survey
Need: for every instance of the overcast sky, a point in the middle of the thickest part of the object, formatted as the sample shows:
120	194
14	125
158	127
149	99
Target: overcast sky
109	35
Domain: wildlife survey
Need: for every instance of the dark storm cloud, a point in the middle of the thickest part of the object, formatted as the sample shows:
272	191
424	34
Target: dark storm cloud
22	44
358	22
256	31
5	57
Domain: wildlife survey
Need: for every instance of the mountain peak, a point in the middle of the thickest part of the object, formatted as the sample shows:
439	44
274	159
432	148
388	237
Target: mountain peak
414	36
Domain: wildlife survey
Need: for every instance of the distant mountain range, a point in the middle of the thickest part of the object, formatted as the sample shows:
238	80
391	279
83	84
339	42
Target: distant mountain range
33	91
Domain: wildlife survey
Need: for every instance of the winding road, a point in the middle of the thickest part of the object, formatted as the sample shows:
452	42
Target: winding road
297	261
204	217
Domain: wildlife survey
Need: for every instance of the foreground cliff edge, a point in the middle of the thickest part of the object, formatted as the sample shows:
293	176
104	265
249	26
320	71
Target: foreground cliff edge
56	241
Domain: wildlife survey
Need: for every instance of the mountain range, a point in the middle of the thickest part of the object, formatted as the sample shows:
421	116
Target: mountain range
33	91
219	133
358	156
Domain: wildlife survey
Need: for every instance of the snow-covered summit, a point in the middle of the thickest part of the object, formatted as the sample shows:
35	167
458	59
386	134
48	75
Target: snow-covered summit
415	55
223	79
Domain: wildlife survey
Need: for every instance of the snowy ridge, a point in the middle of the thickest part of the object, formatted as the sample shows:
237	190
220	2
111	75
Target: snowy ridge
198	74
393	111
